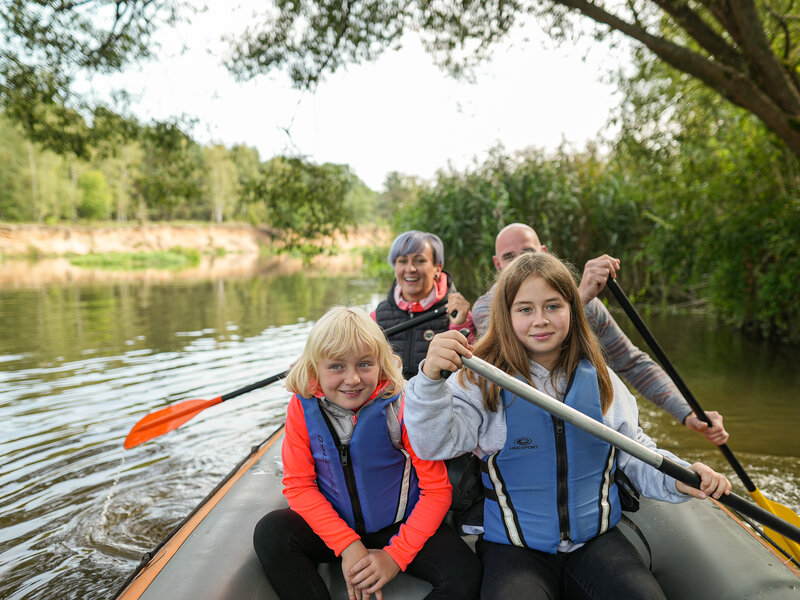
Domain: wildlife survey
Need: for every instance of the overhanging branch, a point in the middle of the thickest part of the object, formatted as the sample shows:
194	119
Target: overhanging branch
737	86
765	68
702	33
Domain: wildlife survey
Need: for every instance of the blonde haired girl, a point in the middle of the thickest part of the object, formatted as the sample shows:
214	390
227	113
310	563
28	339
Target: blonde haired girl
356	490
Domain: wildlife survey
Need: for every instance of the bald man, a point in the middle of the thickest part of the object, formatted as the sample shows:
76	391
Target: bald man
634	366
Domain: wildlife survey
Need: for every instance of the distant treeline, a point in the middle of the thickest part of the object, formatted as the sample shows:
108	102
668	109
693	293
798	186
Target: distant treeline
157	172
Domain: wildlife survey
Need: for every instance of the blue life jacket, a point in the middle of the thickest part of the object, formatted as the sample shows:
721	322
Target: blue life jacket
551	481
369	482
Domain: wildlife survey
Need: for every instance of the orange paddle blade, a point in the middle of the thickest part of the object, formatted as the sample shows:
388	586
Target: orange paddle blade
165	420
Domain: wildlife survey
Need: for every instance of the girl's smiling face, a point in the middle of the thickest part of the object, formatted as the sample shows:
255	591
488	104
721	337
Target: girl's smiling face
416	274
350	380
540	317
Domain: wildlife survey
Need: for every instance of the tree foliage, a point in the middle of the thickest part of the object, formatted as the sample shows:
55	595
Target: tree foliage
220	182
746	52
16	190
570	199
46	45
304	201
699	199
721	194
95	200
169	179
163	174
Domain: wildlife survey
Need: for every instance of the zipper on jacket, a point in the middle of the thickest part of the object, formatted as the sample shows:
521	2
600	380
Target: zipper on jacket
561	472
349	477
408	359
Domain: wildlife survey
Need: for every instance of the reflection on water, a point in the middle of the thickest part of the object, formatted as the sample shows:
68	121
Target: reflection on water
79	364
753	383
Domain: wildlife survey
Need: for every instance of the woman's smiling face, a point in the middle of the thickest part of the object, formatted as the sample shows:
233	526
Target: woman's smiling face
416	274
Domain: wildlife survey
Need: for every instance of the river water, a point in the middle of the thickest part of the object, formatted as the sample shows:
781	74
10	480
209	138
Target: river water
80	363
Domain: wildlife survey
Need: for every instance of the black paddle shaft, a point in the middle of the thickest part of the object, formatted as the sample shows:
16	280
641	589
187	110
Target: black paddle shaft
676	378
428	316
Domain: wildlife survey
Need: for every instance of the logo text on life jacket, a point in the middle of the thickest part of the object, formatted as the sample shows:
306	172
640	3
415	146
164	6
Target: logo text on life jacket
327	465
524	443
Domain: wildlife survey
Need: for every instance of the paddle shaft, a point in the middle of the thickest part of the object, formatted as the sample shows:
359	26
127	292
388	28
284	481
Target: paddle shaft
623	442
412	322
676	378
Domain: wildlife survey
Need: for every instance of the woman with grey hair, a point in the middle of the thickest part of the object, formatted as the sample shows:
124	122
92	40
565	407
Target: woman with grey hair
421	285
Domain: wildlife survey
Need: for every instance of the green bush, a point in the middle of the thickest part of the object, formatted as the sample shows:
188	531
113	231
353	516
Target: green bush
95	202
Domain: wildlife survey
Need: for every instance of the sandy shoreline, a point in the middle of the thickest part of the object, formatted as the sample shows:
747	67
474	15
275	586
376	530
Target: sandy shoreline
227	251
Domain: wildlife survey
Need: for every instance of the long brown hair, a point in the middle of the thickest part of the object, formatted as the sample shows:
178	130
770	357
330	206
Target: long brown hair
501	347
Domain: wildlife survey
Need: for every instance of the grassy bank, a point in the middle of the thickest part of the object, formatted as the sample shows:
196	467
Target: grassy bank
174	258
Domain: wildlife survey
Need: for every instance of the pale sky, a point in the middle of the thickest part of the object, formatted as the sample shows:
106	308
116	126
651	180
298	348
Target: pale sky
400	113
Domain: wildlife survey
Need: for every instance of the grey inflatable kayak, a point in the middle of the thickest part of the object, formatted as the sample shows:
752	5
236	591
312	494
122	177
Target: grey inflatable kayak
697	549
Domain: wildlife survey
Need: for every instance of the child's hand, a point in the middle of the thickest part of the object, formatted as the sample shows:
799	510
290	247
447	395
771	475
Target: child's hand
711	483
350	556
373	572
445	352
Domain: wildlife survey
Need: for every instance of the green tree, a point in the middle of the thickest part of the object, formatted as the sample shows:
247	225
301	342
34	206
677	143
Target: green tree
361	201
18	185
47	45
55	195
720	195
121	170
95	202
168	181
220	182
304	202
401	193
745	52
248	166
117	152
572	200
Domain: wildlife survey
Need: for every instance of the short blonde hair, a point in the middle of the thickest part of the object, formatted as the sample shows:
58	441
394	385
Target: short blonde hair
338	332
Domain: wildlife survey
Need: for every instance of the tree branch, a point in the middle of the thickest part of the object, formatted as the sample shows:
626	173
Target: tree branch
765	68
783	26
339	31
702	33
736	86
721	12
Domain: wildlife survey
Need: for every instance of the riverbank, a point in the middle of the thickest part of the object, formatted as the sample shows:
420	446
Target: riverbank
52	241
37	254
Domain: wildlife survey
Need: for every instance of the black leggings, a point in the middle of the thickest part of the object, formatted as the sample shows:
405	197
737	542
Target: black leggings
290	552
605	568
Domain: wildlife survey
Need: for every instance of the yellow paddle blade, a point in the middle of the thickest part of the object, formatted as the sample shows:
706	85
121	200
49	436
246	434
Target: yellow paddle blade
785	513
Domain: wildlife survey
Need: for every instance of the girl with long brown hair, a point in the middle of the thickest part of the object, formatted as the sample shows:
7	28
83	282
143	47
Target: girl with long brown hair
552	502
